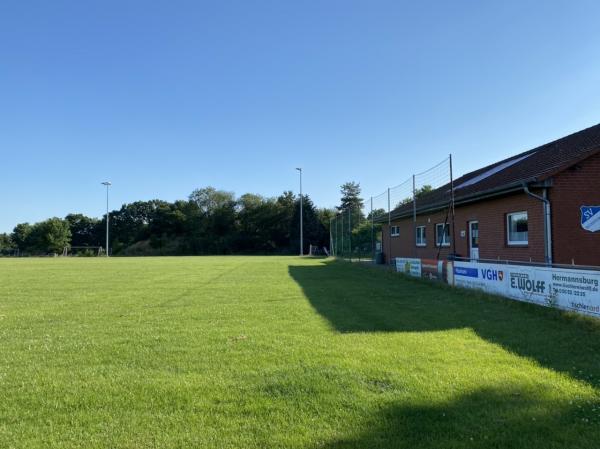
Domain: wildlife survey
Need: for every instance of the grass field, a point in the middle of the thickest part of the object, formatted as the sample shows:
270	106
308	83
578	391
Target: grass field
276	352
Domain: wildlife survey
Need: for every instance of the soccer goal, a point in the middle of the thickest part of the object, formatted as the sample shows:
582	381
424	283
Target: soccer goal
83	251
9	252
315	250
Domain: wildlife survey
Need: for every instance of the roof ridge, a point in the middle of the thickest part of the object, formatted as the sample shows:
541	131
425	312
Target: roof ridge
534	165
526	152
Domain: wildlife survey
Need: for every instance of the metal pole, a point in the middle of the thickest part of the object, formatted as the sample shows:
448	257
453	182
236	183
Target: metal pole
350	233
337	237
107	222
342	241
301	217
389	230
452	207
372	232
301	224
107	184
415	214
330	237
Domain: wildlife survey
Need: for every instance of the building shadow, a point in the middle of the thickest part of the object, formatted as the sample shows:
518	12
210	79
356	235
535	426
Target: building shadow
355	298
486	418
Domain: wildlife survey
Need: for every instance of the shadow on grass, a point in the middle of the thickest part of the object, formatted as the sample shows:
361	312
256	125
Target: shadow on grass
487	418
364	299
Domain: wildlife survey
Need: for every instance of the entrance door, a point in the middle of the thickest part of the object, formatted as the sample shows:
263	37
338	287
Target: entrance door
474	240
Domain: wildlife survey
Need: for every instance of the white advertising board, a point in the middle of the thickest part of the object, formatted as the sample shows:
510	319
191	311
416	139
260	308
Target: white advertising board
408	266
569	289
482	276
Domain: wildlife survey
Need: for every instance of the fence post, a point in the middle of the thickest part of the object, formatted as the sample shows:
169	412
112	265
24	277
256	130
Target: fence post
335	240
372	233
359	246
337	237
342	241
414	190
389	229
350	232
330	236
452	208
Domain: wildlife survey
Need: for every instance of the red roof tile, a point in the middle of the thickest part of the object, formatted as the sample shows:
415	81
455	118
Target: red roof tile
529	167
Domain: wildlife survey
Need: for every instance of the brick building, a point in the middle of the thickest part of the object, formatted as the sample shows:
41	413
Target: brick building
542	205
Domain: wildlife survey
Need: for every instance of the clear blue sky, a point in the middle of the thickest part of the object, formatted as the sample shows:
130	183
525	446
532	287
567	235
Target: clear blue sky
164	97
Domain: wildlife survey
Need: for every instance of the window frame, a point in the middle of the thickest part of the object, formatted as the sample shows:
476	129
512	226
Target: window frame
423	243
394	234
444	243
510	242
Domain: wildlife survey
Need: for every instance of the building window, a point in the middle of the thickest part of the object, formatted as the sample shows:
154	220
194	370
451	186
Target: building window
442	234
395	231
421	236
517	228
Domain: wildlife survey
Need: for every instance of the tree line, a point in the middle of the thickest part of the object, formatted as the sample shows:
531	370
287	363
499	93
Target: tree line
210	221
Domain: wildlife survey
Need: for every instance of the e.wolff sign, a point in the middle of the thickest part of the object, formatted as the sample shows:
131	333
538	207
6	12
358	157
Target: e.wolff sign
568	289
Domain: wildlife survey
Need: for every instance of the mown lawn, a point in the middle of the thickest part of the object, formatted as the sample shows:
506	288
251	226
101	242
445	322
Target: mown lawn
282	352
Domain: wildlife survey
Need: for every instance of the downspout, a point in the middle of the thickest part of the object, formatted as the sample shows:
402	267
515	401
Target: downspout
547	221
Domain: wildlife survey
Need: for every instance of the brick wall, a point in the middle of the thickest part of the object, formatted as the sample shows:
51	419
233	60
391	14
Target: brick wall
491	215
575	187
572	188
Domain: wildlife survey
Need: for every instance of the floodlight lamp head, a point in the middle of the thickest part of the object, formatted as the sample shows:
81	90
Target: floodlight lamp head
107	183
298	168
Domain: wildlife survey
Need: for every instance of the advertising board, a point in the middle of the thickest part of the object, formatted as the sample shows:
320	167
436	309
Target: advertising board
408	266
568	289
481	276
433	268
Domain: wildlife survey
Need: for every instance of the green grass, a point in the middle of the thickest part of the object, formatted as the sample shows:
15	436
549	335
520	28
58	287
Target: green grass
276	352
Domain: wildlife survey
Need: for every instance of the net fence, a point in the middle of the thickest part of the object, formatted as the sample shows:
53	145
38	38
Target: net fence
363	233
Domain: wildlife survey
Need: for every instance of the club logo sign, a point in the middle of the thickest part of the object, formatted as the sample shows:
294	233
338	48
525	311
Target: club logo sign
590	218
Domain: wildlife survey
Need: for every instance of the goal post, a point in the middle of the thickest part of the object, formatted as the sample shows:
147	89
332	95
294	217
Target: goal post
314	250
83	251
9	252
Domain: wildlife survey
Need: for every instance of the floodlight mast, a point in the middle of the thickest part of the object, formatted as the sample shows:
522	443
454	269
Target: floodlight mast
107	184
301	224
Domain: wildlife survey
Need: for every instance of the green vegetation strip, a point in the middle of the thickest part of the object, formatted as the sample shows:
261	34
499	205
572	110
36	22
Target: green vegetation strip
282	352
